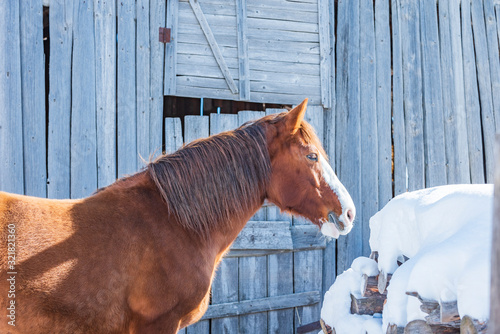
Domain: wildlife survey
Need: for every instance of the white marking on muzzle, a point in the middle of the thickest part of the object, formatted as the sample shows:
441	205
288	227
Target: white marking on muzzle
343	196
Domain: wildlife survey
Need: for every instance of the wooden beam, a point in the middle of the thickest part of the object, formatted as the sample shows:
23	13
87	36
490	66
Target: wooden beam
244	68
170	87
262	305
256	235
213	45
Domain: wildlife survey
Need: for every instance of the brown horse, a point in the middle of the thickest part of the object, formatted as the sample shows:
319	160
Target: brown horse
139	256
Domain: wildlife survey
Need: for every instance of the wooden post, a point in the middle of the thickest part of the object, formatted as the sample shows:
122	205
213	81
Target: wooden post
494	324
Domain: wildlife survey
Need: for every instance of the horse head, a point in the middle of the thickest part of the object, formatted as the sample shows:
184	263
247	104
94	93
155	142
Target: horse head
302	181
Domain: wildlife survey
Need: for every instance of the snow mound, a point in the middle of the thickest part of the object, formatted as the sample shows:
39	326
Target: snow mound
446	234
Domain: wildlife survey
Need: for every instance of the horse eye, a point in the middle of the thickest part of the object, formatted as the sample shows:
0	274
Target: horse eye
312	157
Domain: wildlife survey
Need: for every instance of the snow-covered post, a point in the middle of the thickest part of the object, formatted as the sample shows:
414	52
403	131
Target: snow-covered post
494	325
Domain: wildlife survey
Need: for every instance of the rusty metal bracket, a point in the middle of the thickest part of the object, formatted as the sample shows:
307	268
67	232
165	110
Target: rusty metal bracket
164	35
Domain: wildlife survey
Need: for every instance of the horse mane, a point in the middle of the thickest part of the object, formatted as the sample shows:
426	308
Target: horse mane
210	180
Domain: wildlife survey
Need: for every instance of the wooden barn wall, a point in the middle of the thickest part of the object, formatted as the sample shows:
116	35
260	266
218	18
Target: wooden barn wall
414	104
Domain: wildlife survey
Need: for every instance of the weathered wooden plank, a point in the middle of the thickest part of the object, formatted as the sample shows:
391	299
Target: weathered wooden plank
244	68
497	11
225	285
280	282
257	235
213	45
105	43
341	83
307	237
83	107
196	127
173	134
281	13
171	48
435	164
282	35
412	93
33	98
368	120
11	117
457	158
157	54
253	285
326	56
285	5
493	57
472	108
400	171
484	84
262	304
383	82
142	68
58	151
351	246
281	25
494	322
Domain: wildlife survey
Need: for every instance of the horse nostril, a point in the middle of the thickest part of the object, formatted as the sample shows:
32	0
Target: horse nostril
350	216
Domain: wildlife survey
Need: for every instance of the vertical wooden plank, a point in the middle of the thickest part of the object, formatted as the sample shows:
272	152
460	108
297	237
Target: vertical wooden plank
105	43
412	93
457	156
400	176
83	107
472	109
280	282
497	11
244	67
252	285
494	323
252	270
157	19
127	117
368	115
484	83
225	285
58	154
325	52
435	164
171	48
11	117
196	127
341	84
307	277
143	82
351	246
494	59
33	98
173	134
383	82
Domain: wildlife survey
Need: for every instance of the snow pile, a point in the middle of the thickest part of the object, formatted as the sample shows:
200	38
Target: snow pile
446	234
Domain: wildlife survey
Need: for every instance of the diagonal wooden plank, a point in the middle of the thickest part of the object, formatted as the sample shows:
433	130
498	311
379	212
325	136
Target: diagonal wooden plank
213	45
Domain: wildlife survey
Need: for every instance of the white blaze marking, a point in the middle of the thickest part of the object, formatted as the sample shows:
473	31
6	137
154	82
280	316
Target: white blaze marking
343	196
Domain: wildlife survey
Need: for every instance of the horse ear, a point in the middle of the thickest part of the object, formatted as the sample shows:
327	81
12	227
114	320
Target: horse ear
295	116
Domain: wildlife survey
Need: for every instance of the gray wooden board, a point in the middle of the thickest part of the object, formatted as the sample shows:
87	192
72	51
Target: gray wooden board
494	59
262	304
142	68
244	69
58	153
368	121
484	84
351	246
341	83
105	42
157	54
11	118
383	82
83	107
400	176
472	107
412	93
326	56
171	48
33	98
457	158
252	285
258	234
196	127
225	285
126	94
434	146
173	134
